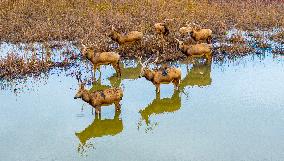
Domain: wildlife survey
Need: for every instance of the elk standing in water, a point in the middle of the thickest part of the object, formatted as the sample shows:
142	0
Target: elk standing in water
100	97
103	58
197	50
161	76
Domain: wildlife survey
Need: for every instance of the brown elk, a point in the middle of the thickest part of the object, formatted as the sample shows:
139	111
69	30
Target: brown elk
132	36
197	50
163	28
102	58
100	97
185	30
201	35
197	33
161	76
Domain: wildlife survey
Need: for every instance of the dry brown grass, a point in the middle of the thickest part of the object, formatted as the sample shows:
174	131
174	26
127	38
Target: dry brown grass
90	20
279	37
14	66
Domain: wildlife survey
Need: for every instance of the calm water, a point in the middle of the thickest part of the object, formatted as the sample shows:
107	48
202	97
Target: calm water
225	112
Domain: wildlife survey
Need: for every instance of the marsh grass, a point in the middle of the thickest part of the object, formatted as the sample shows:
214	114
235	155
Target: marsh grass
23	60
14	66
90	21
279	37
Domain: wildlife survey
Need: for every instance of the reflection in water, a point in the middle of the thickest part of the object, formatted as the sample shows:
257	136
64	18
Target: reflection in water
97	85
199	75
99	128
126	73
159	106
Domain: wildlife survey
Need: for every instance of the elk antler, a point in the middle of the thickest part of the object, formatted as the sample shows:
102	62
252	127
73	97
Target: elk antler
139	59
146	62
78	77
156	60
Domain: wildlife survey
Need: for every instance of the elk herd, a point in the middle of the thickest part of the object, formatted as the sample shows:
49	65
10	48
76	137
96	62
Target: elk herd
163	75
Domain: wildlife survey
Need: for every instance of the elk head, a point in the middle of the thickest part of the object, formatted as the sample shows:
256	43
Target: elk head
180	43
80	91
113	34
144	67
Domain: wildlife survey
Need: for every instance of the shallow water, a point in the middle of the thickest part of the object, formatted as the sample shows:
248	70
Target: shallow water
230	111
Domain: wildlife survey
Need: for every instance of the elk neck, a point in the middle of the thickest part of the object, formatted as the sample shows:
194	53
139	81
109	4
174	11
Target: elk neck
149	74
86	96
183	48
116	37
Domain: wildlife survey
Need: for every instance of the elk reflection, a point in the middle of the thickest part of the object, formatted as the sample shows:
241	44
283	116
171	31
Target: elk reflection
97	85
126	73
199	75
99	128
160	106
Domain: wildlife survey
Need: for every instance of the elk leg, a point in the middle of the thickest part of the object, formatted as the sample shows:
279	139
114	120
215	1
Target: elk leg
158	96
187	64
176	83
94	76
121	48
117	69
209	40
209	57
190	59
117	106
98	110
157	88
97	117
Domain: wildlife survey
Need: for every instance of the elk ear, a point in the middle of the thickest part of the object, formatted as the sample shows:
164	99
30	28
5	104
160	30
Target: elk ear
82	85
139	59
178	41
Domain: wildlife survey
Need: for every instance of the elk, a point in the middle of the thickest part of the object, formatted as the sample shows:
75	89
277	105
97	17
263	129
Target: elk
197	50
196	33
102	58
161	76
100	97
185	30
130	37
162	28
201	35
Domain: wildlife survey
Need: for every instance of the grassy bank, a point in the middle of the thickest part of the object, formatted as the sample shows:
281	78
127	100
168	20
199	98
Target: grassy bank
90	21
